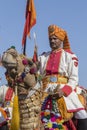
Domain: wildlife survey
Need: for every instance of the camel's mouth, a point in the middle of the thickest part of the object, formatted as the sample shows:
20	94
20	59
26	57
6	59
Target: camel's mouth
9	61
9	64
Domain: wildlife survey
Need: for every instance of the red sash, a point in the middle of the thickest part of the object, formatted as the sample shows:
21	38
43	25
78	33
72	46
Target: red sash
9	94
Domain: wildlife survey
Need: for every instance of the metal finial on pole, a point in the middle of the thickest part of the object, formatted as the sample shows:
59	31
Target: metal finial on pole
34	34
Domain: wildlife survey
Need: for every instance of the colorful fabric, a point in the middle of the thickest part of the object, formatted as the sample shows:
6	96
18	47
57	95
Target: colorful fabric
50	115
30	19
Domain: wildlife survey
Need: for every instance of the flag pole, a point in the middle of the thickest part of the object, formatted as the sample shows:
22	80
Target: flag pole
30	16
24	49
35	56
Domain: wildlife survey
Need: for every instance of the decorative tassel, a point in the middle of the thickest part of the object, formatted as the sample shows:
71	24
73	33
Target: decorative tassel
15	113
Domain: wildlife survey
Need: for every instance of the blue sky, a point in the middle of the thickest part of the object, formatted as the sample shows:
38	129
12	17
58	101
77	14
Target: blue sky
69	15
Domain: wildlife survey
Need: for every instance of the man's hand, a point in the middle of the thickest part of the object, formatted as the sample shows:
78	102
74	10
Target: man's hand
59	93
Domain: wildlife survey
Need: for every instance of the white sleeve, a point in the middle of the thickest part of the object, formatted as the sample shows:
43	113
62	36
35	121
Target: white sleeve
73	71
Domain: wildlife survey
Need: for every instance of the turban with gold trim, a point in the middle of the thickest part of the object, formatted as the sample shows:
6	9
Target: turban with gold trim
61	34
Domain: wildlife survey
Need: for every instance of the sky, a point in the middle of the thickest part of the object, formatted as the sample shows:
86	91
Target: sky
67	14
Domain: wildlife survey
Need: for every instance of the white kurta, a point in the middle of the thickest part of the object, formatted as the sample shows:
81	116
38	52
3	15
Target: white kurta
69	67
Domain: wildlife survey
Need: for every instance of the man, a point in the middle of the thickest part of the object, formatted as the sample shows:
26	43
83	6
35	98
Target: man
6	96
3	120
60	67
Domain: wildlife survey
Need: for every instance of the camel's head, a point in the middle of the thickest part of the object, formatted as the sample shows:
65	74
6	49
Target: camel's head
9	58
19	68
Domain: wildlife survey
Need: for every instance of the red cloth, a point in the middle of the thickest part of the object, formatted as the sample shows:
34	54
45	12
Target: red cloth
70	125
35	56
53	63
67	90
9	94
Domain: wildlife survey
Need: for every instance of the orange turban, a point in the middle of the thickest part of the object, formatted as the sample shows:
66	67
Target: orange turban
61	34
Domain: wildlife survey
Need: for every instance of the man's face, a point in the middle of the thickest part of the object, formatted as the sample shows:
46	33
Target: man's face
55	43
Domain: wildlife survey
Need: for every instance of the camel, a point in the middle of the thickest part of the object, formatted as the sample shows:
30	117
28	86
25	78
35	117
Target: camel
21	74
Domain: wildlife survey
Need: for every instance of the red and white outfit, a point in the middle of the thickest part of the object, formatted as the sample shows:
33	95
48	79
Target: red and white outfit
7	96
65	63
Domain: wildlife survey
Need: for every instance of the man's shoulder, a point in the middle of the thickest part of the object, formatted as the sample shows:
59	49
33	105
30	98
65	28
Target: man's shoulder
69	51
45	53
73	56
